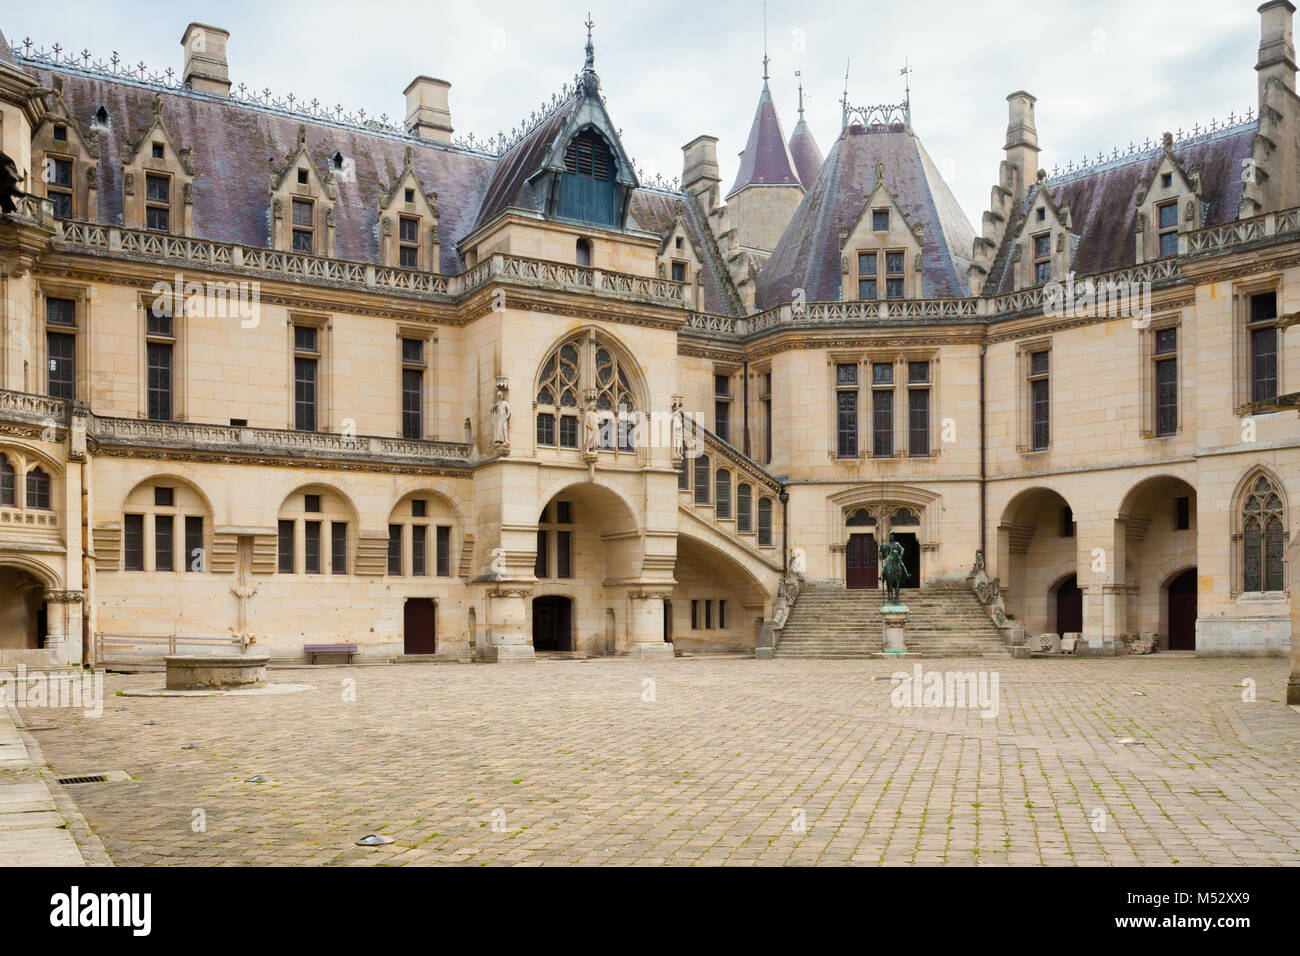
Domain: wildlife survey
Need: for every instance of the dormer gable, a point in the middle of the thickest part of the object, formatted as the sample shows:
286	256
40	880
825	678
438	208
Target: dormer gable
1046	242
158	180
302	203
408	221
67	158
1168	204
881	252
678	258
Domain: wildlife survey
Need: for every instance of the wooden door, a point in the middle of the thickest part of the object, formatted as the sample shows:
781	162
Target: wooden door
1069	607
861	559
1182	612
420	626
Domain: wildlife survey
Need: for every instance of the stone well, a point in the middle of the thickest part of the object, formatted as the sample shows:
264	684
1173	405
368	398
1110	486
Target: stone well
236	672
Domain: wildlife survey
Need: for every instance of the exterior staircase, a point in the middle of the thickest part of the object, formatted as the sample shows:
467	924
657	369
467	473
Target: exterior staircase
830	621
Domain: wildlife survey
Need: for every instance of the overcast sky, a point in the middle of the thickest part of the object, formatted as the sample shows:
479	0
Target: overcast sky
1104	73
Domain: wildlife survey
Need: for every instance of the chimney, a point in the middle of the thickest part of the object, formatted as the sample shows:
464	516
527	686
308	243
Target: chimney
700	165
1276	51
205	59
428	114
1022	141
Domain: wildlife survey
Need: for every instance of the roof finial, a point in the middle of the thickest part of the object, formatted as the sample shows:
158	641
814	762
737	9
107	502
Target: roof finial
590	65
906	71
844	102
765	57
799	74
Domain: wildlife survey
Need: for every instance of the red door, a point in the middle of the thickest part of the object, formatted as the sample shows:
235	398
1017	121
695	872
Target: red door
860	566
420	620
1182	612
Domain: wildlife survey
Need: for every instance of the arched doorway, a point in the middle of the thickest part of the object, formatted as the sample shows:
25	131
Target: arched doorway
22	610
1036	552
862	553
1069	606
1182	611
552	623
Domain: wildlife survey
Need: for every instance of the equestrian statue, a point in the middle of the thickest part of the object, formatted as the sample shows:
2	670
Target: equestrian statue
894	572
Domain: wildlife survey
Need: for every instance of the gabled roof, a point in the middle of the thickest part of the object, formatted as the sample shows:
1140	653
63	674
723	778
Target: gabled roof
766	160
1103	200
510	183
808	255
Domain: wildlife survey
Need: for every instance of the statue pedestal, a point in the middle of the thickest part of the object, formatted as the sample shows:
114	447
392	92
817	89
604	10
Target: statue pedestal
894	618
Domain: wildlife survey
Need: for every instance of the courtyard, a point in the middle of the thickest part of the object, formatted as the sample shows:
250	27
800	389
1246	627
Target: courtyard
697	761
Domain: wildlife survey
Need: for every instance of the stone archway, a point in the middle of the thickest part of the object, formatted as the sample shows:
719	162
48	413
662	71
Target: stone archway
1036	551
22	611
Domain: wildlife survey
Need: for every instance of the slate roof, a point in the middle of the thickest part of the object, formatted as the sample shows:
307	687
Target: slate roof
766	160
805	152
1103	201
808	253
6	53
510	181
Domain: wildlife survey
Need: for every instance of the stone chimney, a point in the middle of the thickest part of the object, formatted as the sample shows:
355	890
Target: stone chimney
428	113
1022	142
1276	51
700	167
206	69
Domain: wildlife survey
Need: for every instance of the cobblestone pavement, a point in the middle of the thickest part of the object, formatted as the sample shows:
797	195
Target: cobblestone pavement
565	762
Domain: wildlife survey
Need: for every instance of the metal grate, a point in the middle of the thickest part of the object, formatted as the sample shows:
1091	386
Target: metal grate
90	778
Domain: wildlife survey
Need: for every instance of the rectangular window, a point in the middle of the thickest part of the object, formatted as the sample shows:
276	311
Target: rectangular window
542	560
722	495
880	220
164	497
1166	381
61	312
708	614
1182	513
303	226
159	383
61	352
744	509
767	430
765	522
1263	364
1168	216
846	423
563	558
882	423
568	431
1042	258
157	197
679	272
918	422
285	548
311	503
196	558
408	242
338	547
684	475
722	614
133	543
304	394
695	615
444	551
1039	392
867	289
419	549
395	550
59	187
311	546
866	265
412	398
721	416
893	275
545	428
564	512
702	479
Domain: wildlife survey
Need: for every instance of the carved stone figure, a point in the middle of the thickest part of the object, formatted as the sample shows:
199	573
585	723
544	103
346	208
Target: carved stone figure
798	561
501	421
679	430
590	428
10	177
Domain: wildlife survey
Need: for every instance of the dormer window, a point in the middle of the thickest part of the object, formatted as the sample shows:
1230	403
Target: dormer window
588	192
867	278
1167	180
157	198
679	242
880	220
101	116
60	133
408	196
679	271
1042	214
893	275
408	242
59	186
1168	219
303	224
158	151
1042	258
338	160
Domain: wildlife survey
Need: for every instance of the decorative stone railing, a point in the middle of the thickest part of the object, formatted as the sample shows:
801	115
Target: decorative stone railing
723	454
1241	232
29	407
34	209
75	235
133	432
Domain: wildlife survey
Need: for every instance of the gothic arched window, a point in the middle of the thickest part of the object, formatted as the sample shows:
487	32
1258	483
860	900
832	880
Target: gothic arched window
1262	533
861	519
575	369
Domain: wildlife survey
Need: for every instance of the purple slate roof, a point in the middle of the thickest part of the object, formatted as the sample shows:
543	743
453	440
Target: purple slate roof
766	160
1103	201
232	144
509	185
808	254
6	53
805	152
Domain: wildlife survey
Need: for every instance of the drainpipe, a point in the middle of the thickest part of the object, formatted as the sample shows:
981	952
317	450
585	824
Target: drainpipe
784	497
85	564
745	391
983	446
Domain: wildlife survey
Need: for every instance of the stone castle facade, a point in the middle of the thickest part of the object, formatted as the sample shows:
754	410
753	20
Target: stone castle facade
284	377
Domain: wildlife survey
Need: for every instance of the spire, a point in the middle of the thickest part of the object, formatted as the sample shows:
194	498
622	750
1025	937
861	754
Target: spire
765	56
590	81
766	160
805	152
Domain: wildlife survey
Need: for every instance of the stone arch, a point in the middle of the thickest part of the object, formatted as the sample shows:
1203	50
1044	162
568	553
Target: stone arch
50	579
442	489
1033	556
563	484
169	476
624	352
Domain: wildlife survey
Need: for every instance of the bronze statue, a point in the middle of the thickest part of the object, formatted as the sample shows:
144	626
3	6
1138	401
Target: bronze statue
894	572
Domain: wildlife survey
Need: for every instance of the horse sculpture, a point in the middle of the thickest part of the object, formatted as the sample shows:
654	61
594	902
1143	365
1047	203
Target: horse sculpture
894	572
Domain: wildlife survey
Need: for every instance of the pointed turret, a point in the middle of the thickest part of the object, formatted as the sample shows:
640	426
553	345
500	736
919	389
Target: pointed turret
805	152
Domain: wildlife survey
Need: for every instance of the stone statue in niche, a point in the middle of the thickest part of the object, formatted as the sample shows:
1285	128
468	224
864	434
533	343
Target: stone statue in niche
501	421
679	430
590	428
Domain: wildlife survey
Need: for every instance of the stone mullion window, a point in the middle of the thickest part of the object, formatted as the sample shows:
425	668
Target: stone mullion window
1033	360
1263	538
846	409
882	410
577	369
918	409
